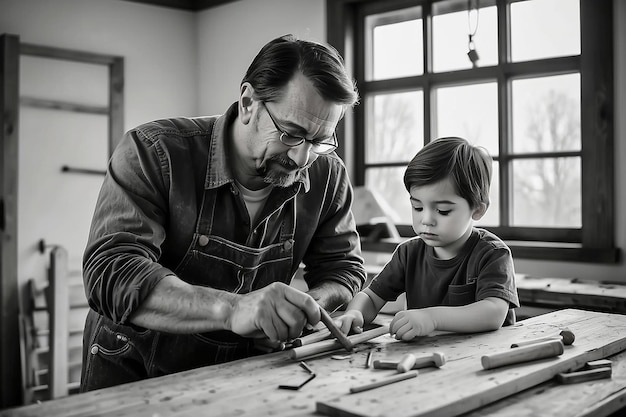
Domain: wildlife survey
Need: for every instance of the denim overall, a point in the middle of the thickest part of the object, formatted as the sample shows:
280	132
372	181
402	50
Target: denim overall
117	354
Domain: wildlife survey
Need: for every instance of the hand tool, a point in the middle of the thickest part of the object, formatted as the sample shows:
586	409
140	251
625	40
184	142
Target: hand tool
582	376
330	345
523	354
566	336
307	368
334	330
433	359
385	381
406	363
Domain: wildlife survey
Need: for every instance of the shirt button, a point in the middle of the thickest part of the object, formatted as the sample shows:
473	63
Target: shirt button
288	244
94	350
203	240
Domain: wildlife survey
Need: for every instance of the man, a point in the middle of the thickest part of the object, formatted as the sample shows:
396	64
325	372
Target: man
201	224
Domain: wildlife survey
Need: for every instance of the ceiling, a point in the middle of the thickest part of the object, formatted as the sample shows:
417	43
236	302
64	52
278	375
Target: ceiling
192	5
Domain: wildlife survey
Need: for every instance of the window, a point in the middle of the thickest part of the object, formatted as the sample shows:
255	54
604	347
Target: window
530	80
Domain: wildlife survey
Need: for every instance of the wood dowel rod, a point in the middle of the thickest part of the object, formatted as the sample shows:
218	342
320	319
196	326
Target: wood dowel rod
386	381
312	338
523	354
329	345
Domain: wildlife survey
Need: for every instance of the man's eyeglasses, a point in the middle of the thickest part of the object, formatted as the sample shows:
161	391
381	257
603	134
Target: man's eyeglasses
322	147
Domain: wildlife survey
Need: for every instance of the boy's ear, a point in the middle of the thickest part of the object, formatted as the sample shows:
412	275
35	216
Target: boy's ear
480	211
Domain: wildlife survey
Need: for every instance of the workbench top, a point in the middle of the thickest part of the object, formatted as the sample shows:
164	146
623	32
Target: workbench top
250	387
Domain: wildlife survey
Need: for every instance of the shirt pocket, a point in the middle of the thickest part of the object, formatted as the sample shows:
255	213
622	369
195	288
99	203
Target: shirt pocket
460	295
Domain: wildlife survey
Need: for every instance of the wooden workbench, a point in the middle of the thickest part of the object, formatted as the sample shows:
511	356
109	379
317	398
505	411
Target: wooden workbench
250	387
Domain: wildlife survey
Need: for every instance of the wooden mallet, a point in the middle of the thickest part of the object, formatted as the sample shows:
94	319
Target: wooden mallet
410	361
566	336
528	353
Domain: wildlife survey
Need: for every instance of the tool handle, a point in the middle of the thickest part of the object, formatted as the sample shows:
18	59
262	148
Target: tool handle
523	354
334	330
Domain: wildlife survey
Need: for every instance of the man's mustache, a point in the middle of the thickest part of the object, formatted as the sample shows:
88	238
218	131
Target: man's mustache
285	162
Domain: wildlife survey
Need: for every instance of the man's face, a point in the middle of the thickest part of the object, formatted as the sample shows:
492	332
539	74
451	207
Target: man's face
300	112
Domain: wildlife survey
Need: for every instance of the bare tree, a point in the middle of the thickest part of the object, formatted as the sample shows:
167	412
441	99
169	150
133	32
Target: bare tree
548	188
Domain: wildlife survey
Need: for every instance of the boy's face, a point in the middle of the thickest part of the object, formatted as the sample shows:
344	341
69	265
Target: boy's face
442	218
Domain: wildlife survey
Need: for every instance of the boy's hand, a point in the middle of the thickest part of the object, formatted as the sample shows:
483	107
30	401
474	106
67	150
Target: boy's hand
409	324
351	320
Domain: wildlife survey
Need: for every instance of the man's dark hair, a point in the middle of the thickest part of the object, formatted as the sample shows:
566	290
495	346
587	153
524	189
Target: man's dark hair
467	166
279	59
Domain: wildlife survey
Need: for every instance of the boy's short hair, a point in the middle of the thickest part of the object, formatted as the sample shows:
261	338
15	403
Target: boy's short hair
467	166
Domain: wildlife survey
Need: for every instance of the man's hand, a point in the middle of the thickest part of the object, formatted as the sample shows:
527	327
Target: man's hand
409	324
278	312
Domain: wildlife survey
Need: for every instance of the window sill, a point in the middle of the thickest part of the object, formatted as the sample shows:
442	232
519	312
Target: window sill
526	250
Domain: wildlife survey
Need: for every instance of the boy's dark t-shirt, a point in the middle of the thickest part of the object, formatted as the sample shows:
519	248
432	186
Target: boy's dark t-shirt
483	268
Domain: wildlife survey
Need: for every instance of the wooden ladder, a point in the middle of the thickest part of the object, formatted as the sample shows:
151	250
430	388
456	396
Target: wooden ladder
51	327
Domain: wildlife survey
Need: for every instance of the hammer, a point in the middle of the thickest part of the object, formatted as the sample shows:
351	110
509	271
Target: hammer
528	353
566	336
410	361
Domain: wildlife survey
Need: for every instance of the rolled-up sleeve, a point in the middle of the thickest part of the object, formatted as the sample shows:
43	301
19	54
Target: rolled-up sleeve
120	264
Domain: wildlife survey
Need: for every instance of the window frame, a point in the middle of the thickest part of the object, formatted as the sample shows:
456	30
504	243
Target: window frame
595	241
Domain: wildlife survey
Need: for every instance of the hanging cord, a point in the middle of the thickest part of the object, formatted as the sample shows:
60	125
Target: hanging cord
472	54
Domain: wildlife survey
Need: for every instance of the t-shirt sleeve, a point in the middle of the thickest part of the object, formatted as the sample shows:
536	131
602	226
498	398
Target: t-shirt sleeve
496	277
389	283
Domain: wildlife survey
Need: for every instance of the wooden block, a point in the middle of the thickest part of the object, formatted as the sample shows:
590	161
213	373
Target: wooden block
583	376
600	363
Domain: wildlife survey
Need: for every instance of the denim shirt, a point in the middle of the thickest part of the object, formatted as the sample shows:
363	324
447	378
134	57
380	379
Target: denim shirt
150	203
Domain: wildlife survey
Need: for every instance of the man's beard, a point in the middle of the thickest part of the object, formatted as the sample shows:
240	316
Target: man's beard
280	177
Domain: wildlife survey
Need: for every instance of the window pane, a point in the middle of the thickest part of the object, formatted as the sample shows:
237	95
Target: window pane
546	114
492	217
547	192
534	34
395	126
451	40
469	111
384	34
388	184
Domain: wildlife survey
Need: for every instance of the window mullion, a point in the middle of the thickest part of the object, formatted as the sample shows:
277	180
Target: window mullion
427	29
504	114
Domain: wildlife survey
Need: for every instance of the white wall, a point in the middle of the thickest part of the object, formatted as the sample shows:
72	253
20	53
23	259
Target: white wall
159	49
229	36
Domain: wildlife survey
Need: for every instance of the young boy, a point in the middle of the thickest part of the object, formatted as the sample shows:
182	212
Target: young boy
457	277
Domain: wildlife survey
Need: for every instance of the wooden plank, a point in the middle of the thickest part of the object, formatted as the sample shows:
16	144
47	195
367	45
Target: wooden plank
116	102
10	371
463	385
561	292
597	399
63	105
59	331
52	52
